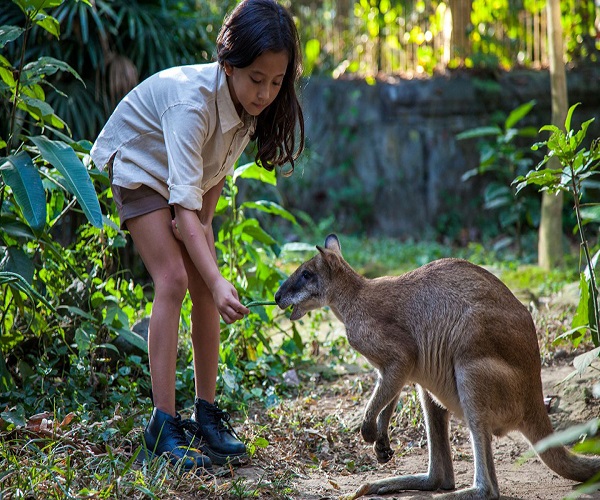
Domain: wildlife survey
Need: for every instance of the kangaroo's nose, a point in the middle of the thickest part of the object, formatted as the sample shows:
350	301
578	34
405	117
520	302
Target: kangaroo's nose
277	296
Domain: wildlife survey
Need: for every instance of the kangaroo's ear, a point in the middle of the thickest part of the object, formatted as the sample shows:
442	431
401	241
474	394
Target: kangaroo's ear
332	243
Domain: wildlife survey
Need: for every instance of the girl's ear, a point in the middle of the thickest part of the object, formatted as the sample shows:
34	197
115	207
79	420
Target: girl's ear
228	68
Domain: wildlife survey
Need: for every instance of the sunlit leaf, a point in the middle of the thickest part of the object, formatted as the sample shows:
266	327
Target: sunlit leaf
253	171
270	208
518	114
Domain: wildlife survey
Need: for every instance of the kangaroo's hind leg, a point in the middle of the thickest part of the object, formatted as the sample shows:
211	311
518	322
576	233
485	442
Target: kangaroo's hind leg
440	474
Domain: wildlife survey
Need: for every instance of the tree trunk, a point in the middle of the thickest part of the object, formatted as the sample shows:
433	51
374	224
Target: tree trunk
460	10
550	250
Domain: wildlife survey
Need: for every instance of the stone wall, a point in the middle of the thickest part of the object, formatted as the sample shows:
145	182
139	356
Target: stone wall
384	157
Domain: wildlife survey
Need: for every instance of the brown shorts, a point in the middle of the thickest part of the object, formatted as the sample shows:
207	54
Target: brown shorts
135	202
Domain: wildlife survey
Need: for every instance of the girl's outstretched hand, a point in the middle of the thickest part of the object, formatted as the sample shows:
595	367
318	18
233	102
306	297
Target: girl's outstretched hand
227	301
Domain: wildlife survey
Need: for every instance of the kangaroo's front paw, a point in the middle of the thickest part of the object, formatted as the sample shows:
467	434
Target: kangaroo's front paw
368	431
384	452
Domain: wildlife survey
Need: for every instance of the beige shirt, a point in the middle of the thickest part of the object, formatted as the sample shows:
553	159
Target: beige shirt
177	132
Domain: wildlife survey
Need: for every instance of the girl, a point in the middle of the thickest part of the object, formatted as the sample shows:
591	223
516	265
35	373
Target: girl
168	147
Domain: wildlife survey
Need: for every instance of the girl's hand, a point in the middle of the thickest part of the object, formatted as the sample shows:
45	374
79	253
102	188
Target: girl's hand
227	301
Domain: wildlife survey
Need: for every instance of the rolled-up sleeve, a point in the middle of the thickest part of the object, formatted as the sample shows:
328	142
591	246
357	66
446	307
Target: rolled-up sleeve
185	128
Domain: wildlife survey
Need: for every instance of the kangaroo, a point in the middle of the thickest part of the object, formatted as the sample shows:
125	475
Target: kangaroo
459	334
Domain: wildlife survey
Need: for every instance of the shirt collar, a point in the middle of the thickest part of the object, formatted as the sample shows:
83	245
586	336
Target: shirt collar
227	113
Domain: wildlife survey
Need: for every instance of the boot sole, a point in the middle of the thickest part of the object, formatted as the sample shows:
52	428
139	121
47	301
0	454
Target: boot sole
219	459
216	458
147	456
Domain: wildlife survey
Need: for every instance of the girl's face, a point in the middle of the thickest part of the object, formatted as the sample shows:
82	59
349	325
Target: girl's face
256	86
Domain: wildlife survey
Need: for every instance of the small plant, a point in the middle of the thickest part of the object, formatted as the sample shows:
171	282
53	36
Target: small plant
501	159
248	258
578	165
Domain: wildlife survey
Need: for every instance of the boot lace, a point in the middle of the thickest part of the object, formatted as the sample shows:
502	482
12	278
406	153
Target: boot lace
178	427
220	417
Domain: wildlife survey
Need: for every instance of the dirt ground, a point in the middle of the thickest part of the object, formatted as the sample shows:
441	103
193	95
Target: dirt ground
315	443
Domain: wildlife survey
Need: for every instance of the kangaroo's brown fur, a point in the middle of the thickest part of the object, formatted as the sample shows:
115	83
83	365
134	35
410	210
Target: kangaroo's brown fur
462	337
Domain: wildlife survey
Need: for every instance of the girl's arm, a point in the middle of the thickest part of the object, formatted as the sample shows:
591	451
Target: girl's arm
197	235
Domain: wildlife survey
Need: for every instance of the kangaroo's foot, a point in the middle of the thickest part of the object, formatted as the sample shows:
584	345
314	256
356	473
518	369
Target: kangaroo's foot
422	482
471	494
383	451
368	431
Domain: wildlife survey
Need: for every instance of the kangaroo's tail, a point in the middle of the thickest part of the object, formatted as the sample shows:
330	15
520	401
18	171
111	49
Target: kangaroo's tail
569	465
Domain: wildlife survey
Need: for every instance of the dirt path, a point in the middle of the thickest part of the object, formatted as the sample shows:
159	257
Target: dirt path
321	445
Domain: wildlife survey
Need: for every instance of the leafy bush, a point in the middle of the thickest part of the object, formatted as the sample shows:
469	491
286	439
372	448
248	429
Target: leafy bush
578	167
61	307
501	159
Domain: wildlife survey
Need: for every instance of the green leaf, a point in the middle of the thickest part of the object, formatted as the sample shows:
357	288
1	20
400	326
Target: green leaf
16	416
47	22
15	228
570	115
16	281
567	436
131	337
252	229
9	34
260	442
480	132
62	157
33	5
518	114
253	171
17	261
78	312
19	172
551	128
45	66
36	107
270	208
583	361
7	383
581	316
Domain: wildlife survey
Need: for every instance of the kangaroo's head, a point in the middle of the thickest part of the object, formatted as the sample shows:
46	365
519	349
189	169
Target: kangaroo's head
311	285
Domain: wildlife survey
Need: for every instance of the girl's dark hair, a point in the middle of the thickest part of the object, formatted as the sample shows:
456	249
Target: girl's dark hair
252	28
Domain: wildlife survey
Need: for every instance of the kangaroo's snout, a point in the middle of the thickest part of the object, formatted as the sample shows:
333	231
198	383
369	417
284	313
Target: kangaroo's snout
278	299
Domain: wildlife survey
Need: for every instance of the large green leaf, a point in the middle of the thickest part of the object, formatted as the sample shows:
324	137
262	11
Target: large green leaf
19	172
62	157
253	171
270	208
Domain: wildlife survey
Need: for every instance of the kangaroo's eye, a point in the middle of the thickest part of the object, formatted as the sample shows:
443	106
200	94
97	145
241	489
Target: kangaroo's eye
306	275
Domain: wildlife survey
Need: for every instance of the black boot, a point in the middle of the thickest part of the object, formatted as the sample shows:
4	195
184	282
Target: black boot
212	433
164	434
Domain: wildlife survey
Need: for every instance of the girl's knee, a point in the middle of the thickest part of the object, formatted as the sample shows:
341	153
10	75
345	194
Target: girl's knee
172	284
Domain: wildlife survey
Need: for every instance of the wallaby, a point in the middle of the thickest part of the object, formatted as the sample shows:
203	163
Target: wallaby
459	334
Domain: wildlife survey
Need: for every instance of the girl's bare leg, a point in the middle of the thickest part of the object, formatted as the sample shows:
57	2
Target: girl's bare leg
205	333
162	256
